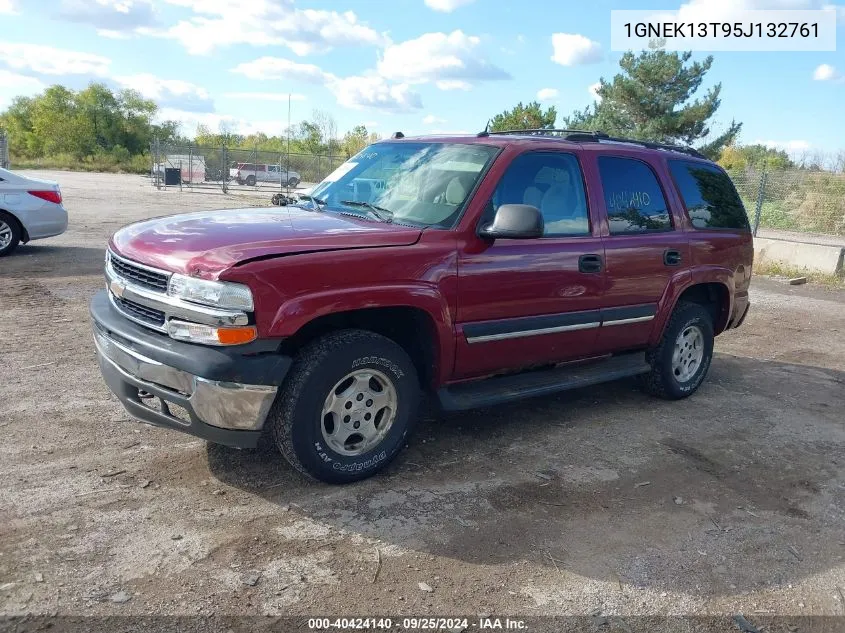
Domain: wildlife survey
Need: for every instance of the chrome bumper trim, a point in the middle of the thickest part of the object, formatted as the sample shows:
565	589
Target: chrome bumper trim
225	405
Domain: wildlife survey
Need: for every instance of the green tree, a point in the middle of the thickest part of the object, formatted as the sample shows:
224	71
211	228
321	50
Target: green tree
653	99
356	139
740	157
524	117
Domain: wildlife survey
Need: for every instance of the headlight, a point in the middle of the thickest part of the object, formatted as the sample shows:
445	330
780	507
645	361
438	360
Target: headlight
219	294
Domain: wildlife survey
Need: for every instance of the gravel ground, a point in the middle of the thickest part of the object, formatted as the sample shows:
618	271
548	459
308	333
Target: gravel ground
599	501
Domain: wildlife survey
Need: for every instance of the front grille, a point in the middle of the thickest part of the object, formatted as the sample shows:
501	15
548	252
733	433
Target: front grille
142	313
138	275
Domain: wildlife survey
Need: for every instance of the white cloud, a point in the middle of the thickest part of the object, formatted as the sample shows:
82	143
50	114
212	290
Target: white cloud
266	23
572	49
789	146
441	58
110	16
7	7
433	120
19	85
169	93
264	96
453	84
46	60
446	6
826	72
593	89
547	94
722	10
372	91
278	68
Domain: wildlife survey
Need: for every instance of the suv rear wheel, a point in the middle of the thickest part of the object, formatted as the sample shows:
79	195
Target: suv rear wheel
250	180
10	234
680	362
348	406
293	181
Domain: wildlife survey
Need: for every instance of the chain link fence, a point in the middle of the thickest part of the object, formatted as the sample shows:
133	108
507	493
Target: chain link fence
231	170
4	151
795	201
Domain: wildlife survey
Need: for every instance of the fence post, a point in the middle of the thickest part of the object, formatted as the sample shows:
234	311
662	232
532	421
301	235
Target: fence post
191	164
157	164
225	173
760	195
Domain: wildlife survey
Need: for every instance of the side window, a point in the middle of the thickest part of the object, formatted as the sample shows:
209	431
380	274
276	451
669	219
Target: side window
632	195
552	182
709	196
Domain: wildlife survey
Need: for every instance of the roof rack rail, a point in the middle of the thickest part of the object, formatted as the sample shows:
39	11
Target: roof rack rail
596	136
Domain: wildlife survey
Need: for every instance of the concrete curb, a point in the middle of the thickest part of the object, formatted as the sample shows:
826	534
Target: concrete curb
827	259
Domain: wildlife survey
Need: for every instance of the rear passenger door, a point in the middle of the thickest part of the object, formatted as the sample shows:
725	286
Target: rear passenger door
644	249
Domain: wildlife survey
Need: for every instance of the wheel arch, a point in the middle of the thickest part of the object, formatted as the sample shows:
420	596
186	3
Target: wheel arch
21	226
712	291
412	327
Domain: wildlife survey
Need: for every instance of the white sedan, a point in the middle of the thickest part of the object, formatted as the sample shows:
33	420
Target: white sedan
30	209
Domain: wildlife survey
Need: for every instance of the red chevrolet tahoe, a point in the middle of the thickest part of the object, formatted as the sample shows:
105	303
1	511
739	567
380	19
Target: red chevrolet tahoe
477	269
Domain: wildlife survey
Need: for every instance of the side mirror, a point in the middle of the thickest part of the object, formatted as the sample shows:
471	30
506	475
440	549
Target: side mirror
514	221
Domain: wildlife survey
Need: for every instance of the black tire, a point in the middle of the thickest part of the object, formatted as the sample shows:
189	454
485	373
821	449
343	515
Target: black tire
11	222
293	182
295	418
250	181
662	380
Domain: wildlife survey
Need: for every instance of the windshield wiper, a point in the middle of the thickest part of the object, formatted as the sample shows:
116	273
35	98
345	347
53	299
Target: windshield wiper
380	213
316	203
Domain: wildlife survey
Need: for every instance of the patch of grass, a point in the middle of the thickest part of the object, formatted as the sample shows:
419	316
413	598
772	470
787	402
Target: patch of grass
105	162
783	271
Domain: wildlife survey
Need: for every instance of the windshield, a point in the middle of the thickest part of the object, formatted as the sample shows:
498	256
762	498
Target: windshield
418	183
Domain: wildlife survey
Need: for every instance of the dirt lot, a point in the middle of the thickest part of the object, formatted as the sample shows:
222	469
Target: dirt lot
596	500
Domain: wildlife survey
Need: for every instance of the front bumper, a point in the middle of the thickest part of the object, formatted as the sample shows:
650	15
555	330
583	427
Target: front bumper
186	387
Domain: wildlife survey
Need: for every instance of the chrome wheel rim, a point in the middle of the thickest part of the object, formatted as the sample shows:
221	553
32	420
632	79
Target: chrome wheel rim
358	412
5	234
688	353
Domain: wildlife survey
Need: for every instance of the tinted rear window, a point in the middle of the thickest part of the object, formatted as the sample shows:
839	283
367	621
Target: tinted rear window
709	196
633	197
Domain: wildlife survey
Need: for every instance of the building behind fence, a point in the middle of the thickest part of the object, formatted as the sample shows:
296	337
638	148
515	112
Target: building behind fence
226	169
4	150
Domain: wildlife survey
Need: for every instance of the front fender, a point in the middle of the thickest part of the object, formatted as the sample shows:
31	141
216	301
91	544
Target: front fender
297	312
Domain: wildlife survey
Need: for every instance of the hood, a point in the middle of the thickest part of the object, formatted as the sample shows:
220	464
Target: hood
206	243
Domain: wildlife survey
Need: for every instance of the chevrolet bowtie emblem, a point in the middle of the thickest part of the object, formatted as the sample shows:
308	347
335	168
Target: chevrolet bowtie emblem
117	289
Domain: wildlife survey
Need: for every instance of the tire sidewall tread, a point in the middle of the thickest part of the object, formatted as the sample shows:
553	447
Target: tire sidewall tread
12	221
294	417
660	381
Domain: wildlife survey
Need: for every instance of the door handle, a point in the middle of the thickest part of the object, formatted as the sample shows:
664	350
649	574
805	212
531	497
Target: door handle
589	263
672	257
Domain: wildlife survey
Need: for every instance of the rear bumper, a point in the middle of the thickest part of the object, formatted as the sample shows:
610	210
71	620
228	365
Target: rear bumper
190	388
47	221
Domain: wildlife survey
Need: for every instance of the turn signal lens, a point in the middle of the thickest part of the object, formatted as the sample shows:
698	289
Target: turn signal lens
208	335
236	335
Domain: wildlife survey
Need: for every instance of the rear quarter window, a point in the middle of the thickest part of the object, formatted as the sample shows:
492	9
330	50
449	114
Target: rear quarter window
709	196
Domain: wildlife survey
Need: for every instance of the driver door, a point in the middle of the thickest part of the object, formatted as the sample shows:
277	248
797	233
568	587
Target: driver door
527	302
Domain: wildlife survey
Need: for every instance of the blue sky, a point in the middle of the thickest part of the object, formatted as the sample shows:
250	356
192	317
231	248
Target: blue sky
412	65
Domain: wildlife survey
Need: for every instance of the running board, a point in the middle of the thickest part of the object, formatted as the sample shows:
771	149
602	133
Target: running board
491	391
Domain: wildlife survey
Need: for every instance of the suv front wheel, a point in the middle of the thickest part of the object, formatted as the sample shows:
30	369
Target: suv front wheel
348	406
680	362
